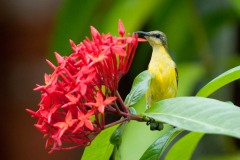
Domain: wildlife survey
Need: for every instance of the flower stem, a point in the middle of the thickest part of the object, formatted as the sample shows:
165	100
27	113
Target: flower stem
125	108
116	107
125	114
115	123
128	117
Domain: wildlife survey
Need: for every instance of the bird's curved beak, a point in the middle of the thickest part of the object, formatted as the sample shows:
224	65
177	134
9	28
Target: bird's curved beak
142	33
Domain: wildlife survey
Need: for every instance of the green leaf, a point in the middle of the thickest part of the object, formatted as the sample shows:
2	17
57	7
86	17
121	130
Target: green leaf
198	114
137	136
100	148
132	110
156	149
184	148
139	88
223	79
116	137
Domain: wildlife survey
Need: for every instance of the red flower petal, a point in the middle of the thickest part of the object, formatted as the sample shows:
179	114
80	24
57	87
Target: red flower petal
119	51
79	125
109	100
89	125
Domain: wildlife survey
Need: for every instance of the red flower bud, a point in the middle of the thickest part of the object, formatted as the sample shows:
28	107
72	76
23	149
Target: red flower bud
121	29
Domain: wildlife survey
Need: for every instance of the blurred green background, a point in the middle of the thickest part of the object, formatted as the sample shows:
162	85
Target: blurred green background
203	39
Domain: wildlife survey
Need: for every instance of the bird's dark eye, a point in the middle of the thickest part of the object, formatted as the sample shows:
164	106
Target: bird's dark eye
157	35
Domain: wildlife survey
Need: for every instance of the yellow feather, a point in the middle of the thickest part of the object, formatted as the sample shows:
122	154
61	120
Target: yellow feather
164	81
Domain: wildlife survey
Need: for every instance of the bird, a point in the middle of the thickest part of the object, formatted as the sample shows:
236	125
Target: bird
164	81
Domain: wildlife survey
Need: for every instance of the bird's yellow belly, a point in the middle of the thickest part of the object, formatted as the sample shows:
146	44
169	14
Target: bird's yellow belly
163	83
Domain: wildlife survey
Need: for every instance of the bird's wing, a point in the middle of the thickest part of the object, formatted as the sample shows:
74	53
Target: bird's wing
176	74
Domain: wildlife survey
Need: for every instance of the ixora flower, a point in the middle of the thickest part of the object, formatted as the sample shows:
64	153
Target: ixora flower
83	88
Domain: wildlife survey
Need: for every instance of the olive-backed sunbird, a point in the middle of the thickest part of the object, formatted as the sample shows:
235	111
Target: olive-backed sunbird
163	69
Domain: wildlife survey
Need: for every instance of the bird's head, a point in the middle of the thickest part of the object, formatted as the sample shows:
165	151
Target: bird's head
154	37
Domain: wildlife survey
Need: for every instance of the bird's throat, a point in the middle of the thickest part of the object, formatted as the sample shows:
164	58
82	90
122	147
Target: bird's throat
159	57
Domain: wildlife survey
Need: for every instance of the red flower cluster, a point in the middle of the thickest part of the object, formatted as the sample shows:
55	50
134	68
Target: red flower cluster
81	87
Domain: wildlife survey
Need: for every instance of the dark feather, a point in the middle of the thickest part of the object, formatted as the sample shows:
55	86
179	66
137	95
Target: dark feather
176	75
